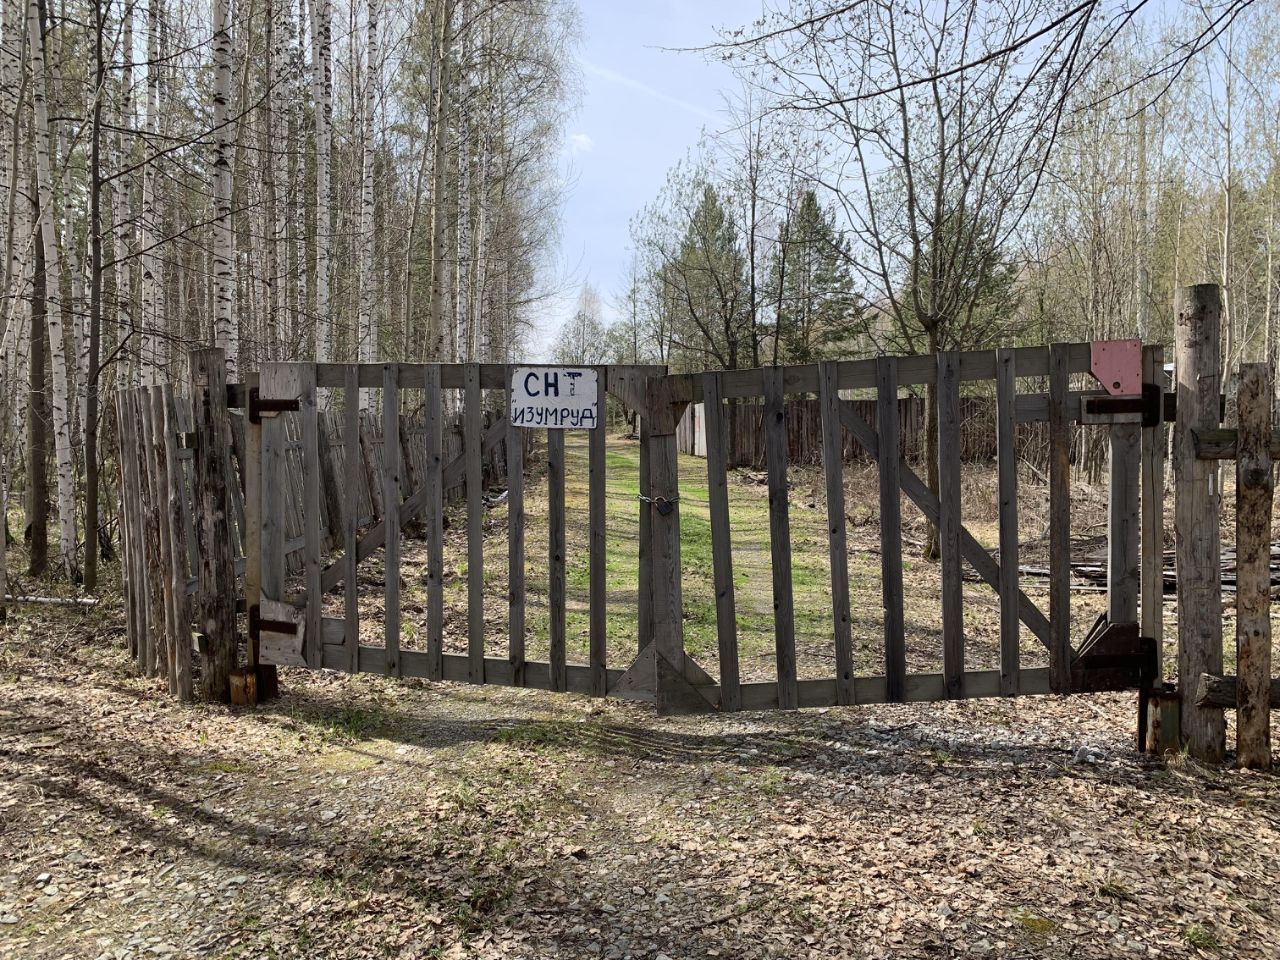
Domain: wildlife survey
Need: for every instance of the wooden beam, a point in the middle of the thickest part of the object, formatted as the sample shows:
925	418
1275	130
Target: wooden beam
1198	364
1007	492
888	464
721	544
949	524
1255	484
784	621
1223	693
1220	444
837	542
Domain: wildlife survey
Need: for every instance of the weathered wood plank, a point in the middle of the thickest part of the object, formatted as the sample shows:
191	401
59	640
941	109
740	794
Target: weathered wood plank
1059	522
1198	367
1220	444
644	620
433	511
949	523
515	548
721	545
887	460
215	566
1152	495
556	555
837	541
1124	523
183	675
351	514
1223	693
312	510
663	510
1255	483
596	547
252	519
784	624
391	514
1007	492
473	432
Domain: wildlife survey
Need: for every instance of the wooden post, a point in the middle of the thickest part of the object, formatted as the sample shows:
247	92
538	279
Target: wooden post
1197	494
391	516
784	621
1254	488
472	442
215	574
888	462
556	557
433	414
351	468
515	544
184	685
1123	524
837	543
1007	482
949	524
1059	522
1152	482
663	510
721	545
597	545
253	521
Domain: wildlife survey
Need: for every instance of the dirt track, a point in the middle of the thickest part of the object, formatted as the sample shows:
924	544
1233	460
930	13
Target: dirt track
369	818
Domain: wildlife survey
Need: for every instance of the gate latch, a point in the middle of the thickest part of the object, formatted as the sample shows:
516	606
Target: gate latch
258	406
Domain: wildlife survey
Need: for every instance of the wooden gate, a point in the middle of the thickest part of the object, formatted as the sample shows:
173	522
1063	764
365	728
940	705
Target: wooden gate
1118	652
290	624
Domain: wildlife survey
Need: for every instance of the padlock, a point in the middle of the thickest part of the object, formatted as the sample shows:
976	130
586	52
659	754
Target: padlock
664	506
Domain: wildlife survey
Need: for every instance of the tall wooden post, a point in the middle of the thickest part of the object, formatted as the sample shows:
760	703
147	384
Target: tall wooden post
1197	494
216	576
1254	488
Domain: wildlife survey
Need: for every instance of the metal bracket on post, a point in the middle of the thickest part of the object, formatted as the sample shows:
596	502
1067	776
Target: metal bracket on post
259	408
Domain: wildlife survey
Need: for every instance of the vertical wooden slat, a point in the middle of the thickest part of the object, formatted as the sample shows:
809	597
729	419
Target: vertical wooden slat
838	548
1007	492
252	517
1059	522
153	598
130	513
391	514
1124	515
1197	499
352	467
1254	489
313	545
515	545
949	523
472	435
433	512
215	565
784	626
173	579
664	526
644	620
721	544
887	459
184	678
596	507
556	555
1152	457
278	381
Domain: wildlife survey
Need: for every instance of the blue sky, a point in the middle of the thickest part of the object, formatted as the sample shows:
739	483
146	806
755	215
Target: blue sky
643	108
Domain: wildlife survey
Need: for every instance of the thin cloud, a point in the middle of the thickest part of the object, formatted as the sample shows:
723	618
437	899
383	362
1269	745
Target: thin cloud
580	143
613	76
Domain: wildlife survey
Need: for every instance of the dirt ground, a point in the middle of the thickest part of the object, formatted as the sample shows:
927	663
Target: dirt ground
363	817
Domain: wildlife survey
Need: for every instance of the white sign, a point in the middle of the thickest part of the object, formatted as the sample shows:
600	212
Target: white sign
555	398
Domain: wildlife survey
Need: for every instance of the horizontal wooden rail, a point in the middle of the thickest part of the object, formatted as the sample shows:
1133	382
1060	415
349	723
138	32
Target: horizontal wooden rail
1214	691
861	374
1221	444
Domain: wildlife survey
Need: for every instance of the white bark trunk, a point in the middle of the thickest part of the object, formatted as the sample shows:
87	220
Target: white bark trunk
225	332
60	411
152	292
368	323
322	97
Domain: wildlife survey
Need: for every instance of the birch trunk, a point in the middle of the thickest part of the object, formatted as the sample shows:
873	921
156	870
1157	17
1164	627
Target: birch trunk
439	163
152	290
322	97
60	411
225	331
368	326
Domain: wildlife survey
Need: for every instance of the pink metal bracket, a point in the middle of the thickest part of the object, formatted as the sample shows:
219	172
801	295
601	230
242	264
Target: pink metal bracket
1117	365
